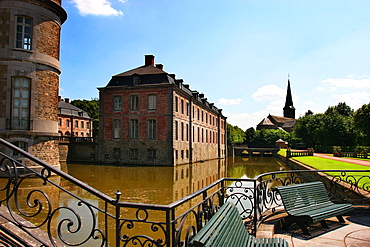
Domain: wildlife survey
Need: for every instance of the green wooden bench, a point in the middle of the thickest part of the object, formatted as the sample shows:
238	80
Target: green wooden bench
226	229
309	203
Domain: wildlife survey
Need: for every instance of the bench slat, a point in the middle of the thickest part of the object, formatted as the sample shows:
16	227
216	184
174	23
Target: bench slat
309	203
226	228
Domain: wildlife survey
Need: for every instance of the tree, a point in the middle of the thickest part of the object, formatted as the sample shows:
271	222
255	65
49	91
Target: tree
331	128
250	134
342	108
362	123
235	135
92	108
268	137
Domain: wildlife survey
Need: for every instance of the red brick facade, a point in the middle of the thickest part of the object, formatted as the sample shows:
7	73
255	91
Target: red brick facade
183	127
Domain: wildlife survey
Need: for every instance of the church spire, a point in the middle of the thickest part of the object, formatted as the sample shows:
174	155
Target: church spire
289	110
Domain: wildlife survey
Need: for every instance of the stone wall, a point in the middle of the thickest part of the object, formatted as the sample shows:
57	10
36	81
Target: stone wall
46	95
48	41
3	91
4	27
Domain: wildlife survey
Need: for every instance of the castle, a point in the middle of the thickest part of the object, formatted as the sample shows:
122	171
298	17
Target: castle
29	75
149	117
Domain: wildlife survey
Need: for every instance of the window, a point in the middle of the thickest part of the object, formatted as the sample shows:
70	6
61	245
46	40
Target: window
187	132
152	154
134	153
117	104
152	129
182	106
82	124
176	130
134	128
182	131
136	80
176	104
87	125
152	102
23	33
187	109
117	130
59	122
20	103
134	102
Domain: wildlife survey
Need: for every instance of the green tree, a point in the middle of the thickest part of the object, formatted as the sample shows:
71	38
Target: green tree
342	109
235	135
92	108
268	137
362	123
329	129
250	134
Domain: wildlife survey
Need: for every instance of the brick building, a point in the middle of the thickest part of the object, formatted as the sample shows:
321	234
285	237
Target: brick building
149	117
29	75
73	121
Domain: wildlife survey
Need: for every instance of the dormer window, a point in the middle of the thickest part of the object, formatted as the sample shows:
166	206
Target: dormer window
136	80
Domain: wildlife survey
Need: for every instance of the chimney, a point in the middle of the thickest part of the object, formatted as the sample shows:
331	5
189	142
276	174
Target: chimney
66	100
149	60
59	98
159	66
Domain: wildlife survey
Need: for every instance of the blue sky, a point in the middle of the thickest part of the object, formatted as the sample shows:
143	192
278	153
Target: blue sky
237	52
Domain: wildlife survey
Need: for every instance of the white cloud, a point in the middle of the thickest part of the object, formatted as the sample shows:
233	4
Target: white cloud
354	100
269	92
96	7
224	101
320	89
309	103
348	82
246	120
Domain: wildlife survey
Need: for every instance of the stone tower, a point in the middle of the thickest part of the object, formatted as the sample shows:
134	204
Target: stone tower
289	110
29	75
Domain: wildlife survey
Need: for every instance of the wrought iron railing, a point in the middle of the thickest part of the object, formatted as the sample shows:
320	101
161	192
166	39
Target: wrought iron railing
30	200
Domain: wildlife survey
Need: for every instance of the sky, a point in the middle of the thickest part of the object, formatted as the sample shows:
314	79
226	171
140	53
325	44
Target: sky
239	53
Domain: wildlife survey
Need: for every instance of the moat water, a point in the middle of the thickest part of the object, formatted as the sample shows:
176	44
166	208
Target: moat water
151	185
163	185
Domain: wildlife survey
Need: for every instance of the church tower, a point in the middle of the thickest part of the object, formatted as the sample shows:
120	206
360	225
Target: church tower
29	75
289	110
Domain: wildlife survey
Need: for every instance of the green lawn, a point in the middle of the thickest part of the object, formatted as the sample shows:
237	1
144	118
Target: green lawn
328	164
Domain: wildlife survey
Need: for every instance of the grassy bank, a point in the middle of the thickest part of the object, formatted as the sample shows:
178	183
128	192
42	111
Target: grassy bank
328	164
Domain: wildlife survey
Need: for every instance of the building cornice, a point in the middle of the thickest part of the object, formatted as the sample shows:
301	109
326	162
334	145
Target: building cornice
50	5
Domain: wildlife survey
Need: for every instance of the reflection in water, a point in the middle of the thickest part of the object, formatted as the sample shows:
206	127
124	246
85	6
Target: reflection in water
151	185
251	167
163	185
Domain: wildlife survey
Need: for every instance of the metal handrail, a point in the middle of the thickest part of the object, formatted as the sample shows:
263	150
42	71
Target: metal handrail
124	223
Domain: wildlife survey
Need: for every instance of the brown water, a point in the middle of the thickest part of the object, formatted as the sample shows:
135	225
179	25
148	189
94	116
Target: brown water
152	185
163	185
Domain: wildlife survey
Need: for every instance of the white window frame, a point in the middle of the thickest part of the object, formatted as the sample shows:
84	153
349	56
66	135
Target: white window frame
117	103
152	129
117	128
134	128
152	102
23	32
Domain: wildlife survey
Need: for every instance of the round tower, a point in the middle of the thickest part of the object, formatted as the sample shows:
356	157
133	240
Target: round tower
29	75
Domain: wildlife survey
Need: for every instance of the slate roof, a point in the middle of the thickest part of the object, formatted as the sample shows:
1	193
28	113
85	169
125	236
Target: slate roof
277	122
68	109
